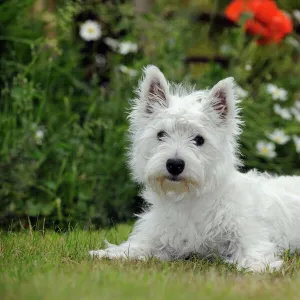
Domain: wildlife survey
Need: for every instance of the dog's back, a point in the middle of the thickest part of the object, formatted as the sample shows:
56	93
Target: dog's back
290	183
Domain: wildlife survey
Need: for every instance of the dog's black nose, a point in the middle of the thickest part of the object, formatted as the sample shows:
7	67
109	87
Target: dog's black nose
175	166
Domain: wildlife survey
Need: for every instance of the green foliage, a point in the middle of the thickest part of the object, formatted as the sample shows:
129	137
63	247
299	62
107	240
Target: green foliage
63	132
63	117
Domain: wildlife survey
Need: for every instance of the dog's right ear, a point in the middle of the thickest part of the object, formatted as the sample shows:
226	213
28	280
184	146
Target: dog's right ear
153	90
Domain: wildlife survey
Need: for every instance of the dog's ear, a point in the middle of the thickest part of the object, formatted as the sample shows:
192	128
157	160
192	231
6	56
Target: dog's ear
153	89
222	98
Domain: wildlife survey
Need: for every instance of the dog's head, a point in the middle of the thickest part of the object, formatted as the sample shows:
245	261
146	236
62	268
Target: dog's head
182	139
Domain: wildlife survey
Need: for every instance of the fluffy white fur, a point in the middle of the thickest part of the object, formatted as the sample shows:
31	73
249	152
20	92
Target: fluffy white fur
210	209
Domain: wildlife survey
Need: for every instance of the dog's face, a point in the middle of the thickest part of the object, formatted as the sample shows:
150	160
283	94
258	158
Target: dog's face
182	139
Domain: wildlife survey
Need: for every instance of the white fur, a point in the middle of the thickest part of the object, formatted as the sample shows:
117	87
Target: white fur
246	219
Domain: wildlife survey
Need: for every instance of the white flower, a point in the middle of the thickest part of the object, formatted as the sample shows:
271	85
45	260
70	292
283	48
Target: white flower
271	87
277	108
296	14
112	43
266	149
241	92
297	104
39	136
128	71
127	47
279	137
295	110
297	143
276	92
122	47
284	113
90	31
296	114
248	67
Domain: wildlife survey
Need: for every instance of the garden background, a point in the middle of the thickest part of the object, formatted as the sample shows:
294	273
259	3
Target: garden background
65	96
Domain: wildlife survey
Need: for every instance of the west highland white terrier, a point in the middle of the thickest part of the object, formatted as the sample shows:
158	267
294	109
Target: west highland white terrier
185	155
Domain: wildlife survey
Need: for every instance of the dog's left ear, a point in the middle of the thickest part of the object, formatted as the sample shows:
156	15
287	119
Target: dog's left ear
153	89
222	98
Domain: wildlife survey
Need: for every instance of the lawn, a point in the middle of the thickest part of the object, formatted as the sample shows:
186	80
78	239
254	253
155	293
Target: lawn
51	265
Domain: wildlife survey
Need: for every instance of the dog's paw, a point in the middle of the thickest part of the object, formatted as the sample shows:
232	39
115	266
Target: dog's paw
97	253
110	254
276	265
261	267
115	254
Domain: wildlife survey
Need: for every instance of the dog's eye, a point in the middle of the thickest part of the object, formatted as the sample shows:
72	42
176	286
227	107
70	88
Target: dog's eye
161	134
199	140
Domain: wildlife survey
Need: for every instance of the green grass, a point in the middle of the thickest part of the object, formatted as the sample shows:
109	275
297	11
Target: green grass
49	265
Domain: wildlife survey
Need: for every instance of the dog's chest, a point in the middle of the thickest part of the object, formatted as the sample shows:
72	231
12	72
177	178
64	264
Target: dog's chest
182	235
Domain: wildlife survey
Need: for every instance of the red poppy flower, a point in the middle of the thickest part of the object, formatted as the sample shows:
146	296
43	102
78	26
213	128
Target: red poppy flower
268	22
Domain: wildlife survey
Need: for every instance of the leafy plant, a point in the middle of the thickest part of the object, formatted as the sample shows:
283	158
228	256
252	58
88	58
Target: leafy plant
63	101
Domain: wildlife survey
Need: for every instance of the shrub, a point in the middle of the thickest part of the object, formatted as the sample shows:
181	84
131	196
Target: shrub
64	100
63	112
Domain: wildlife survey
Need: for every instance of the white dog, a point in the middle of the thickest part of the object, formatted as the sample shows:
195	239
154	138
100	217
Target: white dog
184	153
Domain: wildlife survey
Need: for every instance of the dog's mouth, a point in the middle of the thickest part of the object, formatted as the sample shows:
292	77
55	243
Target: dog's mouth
174	178
176	184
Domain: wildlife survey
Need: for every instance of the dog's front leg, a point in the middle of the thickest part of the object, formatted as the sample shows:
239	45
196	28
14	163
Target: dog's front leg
127	250
143	243
131	250
259	257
